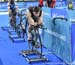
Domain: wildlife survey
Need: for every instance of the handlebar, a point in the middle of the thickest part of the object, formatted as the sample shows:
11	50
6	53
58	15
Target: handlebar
23	10
62	18
19	14
22	14
39	26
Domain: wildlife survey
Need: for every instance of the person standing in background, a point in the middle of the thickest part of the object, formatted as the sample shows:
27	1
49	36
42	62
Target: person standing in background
70	5
40	3
51	3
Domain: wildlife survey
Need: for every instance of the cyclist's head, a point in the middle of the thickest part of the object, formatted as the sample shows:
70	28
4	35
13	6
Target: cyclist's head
36	9
11	1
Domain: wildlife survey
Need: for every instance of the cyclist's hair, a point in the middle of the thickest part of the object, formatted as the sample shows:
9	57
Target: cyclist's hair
36	9
12	1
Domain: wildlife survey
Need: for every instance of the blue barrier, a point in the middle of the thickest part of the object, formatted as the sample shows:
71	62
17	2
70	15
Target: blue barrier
46	11
3	5
46	17
20	4
58	12
61	45
47	40
71	17
27	4
73	41
61	3
59	38
71	14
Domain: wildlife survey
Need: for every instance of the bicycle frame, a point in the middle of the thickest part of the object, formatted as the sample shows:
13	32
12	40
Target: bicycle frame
13	22
35	37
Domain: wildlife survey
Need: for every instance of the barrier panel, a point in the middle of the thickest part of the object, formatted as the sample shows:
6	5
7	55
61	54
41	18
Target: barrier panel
3	6
61	43
71	16
46	18
32	3
59	36
58	12
26	4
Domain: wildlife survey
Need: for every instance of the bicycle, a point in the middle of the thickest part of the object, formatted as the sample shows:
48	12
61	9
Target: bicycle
13	20
34	50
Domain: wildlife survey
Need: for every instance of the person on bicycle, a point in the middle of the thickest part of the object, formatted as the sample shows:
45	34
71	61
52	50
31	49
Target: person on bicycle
12	9
34	16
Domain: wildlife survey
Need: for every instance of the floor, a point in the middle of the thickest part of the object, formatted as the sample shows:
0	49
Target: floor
10	52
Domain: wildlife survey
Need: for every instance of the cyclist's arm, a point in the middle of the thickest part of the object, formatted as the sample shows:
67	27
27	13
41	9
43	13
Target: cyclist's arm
40	21
26	13
9	10
16	7
30	19
8	7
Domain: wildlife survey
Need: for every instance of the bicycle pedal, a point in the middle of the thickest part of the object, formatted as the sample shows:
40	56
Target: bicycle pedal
37	46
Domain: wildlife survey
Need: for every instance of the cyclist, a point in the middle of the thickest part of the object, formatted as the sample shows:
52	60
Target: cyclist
34	16
12	9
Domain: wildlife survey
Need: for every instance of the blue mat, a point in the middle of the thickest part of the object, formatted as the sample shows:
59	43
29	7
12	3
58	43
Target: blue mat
9	52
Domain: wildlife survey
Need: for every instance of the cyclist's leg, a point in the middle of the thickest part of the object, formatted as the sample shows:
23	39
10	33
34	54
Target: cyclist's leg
30	27
10	19
23	31
14	20
29	33
37	39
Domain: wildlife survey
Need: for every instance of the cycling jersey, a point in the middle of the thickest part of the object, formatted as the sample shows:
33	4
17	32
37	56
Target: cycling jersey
36	18
12	7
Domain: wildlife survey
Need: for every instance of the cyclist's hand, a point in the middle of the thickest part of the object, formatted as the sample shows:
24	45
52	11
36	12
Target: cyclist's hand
35	24
23	26
10	11
40	23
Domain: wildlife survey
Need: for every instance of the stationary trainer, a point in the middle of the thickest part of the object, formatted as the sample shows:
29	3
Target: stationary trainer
12	9
20	28
34	16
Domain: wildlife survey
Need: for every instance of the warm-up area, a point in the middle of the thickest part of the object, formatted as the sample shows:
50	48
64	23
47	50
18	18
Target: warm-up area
37	32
